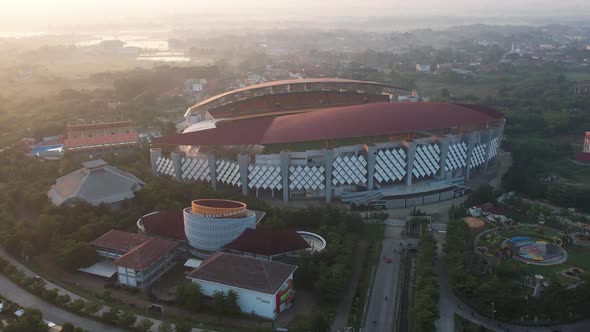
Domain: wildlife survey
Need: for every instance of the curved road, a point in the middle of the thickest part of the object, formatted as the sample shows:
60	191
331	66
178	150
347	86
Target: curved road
50	312
449	305
54	313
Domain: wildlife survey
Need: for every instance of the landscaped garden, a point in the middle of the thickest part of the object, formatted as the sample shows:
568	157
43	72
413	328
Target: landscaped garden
495	270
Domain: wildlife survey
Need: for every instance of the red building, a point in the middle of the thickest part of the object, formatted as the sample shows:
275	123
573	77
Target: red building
96	137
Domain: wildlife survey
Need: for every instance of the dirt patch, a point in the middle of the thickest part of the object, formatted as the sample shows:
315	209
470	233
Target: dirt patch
474	223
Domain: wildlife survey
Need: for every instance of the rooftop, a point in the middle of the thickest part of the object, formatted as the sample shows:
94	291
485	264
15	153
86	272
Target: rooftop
166	223
219	207
243	272
97	141
119	240
338	81
100	125
146	254
96	183
332	123
268	242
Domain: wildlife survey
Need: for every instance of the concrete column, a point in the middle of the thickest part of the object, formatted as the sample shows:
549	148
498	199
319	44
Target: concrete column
176	161
155	153
212	160
244	162
411	154
328	159
371	160
285	174
444	152
471	140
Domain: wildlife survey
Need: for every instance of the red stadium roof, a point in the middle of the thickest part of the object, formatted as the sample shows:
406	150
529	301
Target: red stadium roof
289	82
338	123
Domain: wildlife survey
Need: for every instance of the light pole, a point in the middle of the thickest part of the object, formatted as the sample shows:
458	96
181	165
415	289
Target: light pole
493	310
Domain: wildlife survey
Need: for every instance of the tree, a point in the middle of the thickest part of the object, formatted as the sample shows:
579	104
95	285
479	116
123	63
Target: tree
126	319
319	323
91	307
231	302
144	325
165	327
77	305
111	315
219	302
190	296
73	255
30	321
67	327
182	326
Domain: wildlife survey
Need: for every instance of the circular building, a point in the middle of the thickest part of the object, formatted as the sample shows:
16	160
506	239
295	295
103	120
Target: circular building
334	139
210	224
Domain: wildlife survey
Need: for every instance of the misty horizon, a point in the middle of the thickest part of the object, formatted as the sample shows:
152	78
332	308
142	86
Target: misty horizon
35	15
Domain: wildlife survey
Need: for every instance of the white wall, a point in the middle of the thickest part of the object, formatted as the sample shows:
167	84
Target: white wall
249	301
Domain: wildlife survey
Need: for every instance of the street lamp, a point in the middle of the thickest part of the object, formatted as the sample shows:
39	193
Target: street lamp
493	310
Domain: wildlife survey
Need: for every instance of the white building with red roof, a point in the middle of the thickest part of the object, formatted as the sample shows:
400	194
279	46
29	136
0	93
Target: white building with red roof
139	260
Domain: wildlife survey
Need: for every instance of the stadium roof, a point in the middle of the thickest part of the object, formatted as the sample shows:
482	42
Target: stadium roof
268	242
338	123
291	82
243	272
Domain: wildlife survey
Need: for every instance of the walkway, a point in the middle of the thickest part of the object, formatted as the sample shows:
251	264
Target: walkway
449	305
53	313
341	318
50	312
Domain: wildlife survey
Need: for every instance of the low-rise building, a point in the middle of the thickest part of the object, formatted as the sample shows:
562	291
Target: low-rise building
139	260
264	288
269	244
98	137
96	183
422	68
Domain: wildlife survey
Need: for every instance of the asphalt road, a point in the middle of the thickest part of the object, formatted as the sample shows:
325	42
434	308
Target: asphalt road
50	312
380	312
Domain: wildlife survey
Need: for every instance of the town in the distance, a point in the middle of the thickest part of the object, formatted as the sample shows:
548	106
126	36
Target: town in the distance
336	175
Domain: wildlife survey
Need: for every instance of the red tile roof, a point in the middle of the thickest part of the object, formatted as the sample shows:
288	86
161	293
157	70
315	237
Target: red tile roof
119	240
365	120
146	254
491	208
93	142
244	272
166	223
100	125
268	242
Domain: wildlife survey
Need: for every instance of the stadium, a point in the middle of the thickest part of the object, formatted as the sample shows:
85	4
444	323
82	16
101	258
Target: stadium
333	139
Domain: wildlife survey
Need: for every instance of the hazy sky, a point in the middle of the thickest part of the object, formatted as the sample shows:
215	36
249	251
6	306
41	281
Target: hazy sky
65	9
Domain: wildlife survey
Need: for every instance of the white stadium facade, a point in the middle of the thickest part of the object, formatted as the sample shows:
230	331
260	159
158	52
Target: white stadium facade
333	139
